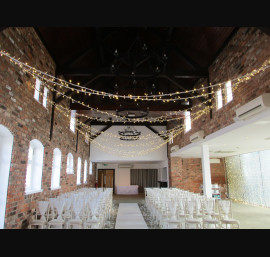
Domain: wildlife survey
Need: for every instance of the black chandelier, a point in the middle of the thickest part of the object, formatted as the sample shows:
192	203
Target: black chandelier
137	54
129	134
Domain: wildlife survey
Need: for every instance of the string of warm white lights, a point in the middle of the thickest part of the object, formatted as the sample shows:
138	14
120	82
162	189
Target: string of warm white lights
162	133
121	119
66	112
126	119
146	97
174	132
169	132
116	151
134	153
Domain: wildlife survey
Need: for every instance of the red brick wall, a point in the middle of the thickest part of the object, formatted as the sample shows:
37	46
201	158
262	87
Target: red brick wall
187	173
27	120
247	50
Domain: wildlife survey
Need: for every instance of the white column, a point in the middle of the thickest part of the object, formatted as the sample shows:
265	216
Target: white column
206	172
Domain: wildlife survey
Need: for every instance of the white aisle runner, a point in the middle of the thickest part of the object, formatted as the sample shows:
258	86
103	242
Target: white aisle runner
129	216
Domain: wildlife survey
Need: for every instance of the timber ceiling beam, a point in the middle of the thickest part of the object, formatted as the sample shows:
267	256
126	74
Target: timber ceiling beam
100	46
67	93
156	132
94	123
165	45
179	52
2	28
71	92
173	81
154	106
186	58
266	30
105	72
77	57
100	132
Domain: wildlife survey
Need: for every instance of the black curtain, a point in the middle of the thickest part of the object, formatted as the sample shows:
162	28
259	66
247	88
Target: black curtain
144	178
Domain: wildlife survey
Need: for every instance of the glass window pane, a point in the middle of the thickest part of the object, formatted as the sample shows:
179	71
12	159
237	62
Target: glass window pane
37	88
229	95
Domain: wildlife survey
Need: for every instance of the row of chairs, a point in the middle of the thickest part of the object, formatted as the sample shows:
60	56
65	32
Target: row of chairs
173	208
86	208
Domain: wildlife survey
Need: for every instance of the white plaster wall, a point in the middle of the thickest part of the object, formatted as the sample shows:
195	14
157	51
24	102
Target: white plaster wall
99	154
122	177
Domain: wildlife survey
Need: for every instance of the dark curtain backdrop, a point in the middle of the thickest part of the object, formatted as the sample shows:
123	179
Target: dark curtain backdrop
144	178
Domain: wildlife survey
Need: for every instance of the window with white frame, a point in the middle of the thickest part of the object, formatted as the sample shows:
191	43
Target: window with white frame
85	172
171	138
187	121
70	164
6	144
56	169
219	99
45	96
37	89
73	120
34	167
90	168
228	91
79	168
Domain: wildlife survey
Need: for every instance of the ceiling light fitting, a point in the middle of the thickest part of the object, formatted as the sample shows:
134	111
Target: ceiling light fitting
129	134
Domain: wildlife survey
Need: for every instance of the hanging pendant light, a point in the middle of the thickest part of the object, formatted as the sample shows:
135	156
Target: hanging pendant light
129	134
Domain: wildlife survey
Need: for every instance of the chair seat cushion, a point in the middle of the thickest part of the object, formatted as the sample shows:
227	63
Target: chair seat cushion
211	221
195	221
230	221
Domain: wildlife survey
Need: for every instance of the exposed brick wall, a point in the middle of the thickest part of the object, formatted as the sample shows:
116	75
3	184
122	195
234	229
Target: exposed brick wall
187	173
247	50
27	119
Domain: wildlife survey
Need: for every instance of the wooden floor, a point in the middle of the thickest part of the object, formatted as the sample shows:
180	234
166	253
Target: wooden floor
128	198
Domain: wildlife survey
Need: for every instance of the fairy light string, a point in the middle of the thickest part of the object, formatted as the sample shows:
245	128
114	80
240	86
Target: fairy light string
173	132
125	119
146	97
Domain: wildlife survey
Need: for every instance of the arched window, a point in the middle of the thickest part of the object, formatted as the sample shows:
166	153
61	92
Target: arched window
85	172
6	143
73	120
56	169
229	95
37	88
90	168
187	122
45	96
70	169
79	168
219	99
34	167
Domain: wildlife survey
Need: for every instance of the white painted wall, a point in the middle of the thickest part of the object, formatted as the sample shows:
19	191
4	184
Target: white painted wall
110	143
122	177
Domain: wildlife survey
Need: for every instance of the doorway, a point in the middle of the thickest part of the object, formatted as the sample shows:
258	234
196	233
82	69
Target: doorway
106	178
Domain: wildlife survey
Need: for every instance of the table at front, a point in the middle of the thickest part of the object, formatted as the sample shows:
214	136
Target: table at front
127	190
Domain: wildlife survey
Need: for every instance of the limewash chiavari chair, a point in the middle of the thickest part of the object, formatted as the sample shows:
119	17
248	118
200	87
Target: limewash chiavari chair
226	217
211	216
41	216
192	210
72	210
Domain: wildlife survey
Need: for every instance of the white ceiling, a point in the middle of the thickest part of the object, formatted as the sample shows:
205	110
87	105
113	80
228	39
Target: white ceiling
238	138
